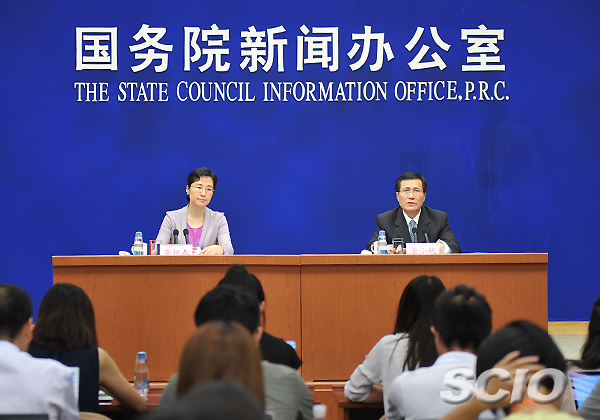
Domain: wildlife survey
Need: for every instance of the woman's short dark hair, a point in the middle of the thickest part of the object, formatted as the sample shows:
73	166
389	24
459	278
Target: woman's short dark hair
237	275
65	319
411	175
414	312
590	354
196	174
528	339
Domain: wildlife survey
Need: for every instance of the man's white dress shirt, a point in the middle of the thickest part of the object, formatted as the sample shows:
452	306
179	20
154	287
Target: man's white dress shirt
33	386
415	395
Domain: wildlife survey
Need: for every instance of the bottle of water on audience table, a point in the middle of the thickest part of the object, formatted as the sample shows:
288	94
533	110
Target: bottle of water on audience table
141	374
382	243
138	244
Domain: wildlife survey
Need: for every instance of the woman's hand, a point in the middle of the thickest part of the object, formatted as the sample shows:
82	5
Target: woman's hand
212	250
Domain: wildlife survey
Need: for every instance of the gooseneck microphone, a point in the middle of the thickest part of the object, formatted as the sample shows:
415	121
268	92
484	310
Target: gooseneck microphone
186	233
415	231
426	237
175	235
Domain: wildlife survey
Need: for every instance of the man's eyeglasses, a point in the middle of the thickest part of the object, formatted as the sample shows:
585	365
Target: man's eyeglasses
415	191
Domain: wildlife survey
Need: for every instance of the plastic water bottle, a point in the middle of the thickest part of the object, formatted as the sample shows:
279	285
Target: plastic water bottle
141	374
382	243
138	244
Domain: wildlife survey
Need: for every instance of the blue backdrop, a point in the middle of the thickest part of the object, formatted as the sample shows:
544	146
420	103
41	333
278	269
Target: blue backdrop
84	166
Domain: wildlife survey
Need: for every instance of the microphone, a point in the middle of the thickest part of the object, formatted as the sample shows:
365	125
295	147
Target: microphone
426	237
175	235
186	233
415	230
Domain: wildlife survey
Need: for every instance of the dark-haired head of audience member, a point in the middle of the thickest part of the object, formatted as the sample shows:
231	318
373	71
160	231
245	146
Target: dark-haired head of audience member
414	314
65	319
217	400
238	276
226	303
461	319
15	315
529	340
590	353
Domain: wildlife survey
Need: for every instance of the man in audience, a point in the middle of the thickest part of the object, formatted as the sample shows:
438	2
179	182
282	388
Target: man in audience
29	385
273	349
461	318
287	396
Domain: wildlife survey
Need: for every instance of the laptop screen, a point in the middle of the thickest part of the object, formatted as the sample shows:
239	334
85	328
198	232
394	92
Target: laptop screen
582	383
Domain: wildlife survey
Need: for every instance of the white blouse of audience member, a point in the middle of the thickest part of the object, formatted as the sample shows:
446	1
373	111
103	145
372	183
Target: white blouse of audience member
383	363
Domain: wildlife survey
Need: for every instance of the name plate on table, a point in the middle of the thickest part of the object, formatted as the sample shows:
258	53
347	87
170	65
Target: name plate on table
176	249
422	249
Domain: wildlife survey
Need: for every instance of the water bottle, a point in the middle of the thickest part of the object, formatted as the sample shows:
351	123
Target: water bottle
141	375
382	243
138	244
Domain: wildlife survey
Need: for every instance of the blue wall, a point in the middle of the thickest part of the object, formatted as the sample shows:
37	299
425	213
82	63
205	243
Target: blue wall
515	175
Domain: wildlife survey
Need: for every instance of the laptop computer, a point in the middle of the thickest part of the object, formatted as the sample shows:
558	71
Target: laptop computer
582	384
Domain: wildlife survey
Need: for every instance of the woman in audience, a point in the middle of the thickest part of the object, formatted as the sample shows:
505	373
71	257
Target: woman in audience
409	347
221	351
66	331
519	345
590	354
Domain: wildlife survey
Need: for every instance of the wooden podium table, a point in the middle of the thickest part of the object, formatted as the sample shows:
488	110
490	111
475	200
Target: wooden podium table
335	307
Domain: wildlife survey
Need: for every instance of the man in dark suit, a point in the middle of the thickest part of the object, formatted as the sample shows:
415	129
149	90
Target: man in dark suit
431	225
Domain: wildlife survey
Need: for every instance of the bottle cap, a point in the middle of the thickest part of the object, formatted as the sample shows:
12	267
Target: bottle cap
381	232
141	355
138	233
319	411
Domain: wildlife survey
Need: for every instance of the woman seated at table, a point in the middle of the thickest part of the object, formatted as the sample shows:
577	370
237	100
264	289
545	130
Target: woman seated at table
409	347
66	331
208	230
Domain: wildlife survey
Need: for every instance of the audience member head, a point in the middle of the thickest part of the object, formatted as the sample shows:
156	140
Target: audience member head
590	354
196	174
15	315
260	293
411	175
214	400
461	319
226	303
238	276
221	351
529	340
65	319
414	314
